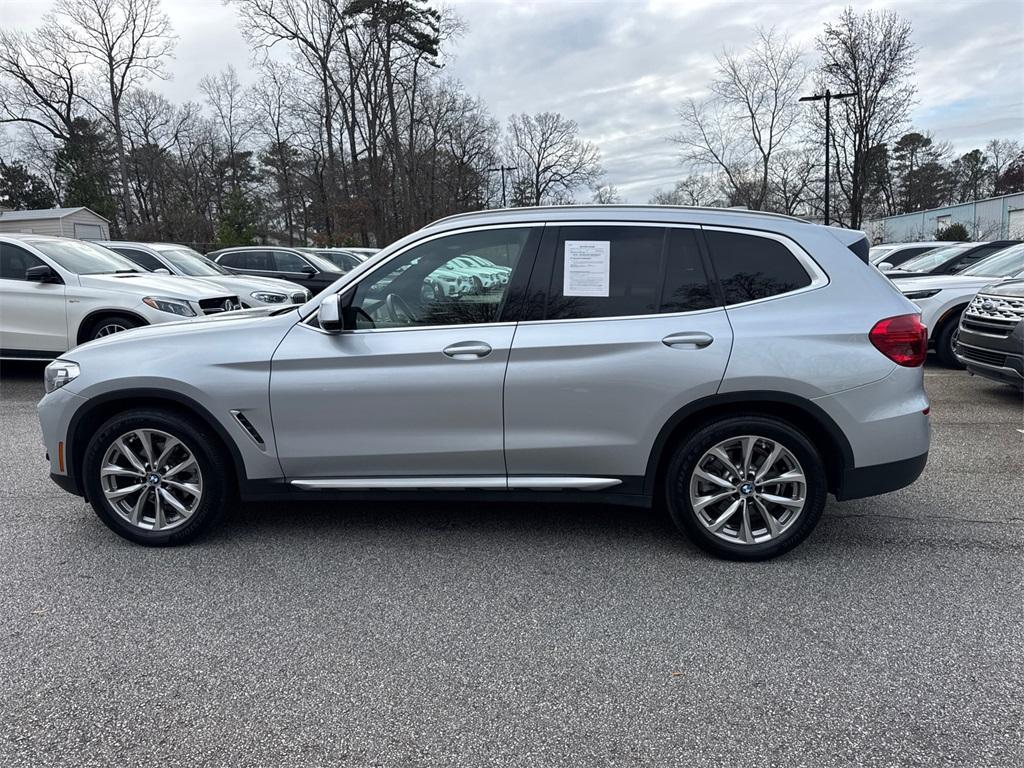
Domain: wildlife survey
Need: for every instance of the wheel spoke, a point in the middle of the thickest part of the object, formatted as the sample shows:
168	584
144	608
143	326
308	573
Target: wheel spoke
169	445
768	463
748	451
792	476
173	503
745	533
719	481
190	461
702	501
769	519
158	513
723	518
190	488
129	454
723	457
782	501
120	493
140	502
147	445
112	470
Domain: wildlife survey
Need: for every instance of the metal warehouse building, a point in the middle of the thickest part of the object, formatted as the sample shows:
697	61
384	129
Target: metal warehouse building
995	218
67	222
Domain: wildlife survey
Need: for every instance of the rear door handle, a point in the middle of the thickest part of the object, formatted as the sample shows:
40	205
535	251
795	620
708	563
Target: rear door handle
688	340
468	350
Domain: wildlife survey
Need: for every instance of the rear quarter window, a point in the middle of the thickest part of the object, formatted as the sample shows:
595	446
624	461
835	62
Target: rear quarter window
751	267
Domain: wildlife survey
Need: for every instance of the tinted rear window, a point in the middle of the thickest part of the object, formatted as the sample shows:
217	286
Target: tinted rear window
751	267
254	260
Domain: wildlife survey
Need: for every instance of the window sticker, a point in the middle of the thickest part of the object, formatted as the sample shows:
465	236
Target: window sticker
587	268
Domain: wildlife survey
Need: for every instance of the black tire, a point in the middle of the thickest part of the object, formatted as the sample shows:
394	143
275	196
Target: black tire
684	461
196	437
101	325
945	341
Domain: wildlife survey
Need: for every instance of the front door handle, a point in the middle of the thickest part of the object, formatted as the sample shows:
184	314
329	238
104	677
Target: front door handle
688	340
468	350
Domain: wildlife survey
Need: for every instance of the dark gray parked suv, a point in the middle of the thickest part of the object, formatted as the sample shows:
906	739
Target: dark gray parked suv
739	366
990	341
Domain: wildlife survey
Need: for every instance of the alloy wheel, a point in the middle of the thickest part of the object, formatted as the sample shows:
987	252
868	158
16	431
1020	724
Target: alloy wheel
748	489
151	479
108	328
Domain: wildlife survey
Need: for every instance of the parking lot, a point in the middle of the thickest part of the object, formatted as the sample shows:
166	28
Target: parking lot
425	634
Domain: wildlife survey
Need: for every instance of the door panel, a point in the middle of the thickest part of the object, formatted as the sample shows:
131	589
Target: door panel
403	402
33	315
589	397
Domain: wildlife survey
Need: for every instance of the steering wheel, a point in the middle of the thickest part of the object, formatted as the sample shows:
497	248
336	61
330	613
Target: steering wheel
395	305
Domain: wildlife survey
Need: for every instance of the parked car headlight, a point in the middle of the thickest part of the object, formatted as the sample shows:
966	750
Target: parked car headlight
58	373
174	306
268	298
912	295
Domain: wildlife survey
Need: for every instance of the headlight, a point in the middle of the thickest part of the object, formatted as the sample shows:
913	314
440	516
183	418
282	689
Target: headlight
912	295
268	298
58	373
174	306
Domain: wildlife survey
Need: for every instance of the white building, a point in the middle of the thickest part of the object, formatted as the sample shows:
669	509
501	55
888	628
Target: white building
65	222
995	218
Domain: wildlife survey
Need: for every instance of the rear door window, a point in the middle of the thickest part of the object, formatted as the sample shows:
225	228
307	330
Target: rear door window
751	267
634	271
255	261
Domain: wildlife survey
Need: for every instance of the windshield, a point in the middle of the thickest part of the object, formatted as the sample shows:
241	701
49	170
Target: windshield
1007	262
319	261
879	252
189	262
84	258
932	259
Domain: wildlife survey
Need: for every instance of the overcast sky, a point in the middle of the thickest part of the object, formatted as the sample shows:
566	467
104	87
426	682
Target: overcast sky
620	69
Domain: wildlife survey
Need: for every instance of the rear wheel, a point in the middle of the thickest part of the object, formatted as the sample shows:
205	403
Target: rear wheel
110	324
746	487
155	477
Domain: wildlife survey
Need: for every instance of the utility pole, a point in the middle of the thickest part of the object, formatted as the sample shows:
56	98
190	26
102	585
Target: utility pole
502	169
827	97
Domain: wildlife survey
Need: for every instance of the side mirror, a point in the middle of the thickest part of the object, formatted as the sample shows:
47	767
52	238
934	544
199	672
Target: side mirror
41	274
161	271
331	315
308	270
885	266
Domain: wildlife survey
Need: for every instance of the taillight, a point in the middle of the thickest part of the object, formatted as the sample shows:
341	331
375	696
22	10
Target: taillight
903	339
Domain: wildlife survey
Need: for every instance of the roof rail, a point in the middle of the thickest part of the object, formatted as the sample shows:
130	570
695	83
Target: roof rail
619	207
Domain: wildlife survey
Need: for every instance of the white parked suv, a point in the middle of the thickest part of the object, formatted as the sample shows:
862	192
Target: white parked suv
252	290
56	293
943	298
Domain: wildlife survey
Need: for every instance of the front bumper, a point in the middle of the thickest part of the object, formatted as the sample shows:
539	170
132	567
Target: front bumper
992	355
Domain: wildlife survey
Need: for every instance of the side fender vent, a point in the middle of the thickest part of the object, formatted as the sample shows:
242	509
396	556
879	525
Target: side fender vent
245	424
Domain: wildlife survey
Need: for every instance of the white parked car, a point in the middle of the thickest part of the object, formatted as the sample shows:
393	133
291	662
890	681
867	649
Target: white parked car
252	290
890	255
57	293
943	298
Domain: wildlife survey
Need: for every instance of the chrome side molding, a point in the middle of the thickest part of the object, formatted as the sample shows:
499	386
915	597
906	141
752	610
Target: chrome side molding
473	482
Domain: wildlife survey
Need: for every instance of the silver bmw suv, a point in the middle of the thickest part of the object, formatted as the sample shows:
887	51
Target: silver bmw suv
736	366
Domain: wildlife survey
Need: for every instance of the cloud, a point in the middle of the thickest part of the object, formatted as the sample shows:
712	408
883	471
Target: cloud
621	69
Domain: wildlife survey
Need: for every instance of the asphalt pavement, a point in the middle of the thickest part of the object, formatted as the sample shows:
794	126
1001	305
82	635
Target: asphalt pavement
515	634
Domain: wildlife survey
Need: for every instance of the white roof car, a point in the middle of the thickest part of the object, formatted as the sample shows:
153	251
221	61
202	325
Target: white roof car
894	254
252	290
943	298
57	293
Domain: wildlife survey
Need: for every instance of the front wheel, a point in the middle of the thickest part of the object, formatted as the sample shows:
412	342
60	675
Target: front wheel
945	342
155	477
110	324
746	487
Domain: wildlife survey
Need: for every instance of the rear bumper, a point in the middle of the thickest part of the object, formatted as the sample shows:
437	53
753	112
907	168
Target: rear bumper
881	478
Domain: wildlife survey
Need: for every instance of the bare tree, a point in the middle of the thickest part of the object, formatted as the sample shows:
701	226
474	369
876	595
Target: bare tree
549	158
871	55
606	194
129	41
749	117
696	190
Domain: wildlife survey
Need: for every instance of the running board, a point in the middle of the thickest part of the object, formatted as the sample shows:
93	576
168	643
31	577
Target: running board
479	482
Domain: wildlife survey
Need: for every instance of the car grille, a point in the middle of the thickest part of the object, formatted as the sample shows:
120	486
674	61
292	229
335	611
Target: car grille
216	306
994	315
978	355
